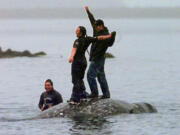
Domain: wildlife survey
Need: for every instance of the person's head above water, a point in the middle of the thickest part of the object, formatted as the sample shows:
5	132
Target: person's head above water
99	25
48	85
81	31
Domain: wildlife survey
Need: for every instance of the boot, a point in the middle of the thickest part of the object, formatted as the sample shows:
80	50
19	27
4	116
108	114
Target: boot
92	95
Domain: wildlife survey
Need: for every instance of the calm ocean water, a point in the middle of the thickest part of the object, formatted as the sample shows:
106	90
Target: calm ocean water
146	69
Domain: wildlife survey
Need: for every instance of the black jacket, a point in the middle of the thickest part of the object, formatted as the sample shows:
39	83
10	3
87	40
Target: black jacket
98	48
50	98
82	43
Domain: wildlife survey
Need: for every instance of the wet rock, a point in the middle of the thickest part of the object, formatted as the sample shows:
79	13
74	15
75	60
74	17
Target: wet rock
10	53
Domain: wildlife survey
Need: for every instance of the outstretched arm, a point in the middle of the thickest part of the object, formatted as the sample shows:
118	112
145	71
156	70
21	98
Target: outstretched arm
109	38
73	52
90	16
104	37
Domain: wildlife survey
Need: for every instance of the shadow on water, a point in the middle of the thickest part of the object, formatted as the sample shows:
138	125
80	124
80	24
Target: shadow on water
17	114
3	119
8	120
89	125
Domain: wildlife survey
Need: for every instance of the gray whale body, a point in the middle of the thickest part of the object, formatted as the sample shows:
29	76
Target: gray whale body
97	107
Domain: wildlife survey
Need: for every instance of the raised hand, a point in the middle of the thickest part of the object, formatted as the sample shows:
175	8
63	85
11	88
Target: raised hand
86	7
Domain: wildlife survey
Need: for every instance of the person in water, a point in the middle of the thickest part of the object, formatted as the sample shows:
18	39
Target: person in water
50	97
97	57
79	62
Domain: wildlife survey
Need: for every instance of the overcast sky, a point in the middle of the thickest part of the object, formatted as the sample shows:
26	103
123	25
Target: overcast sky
28	4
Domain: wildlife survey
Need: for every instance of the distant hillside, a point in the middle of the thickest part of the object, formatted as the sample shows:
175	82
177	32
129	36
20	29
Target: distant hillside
80	13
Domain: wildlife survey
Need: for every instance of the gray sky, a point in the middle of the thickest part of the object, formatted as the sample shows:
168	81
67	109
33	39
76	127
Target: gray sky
28	4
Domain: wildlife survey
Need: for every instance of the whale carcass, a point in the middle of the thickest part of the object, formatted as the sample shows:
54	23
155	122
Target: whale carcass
97	107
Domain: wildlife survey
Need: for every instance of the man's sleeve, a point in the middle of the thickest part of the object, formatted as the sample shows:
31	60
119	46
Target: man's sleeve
41	101
76	44
91	18
112	39
58	98
92	39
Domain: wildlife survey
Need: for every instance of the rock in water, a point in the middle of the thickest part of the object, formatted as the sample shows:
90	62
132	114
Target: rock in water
10	54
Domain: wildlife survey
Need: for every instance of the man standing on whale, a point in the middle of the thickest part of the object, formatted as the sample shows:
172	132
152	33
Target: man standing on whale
97	57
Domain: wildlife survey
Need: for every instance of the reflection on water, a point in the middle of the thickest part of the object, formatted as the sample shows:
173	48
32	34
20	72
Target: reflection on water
89	125
84	122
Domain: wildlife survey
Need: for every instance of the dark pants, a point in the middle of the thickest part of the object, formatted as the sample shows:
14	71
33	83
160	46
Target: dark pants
96	69
77	71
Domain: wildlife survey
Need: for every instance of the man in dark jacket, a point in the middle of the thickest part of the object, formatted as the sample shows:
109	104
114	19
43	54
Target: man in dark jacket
97	58
50	97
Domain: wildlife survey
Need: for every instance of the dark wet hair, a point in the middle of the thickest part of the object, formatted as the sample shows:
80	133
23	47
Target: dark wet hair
49	81
83	30
99	22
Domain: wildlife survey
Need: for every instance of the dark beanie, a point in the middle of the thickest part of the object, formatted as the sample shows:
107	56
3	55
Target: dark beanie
99	22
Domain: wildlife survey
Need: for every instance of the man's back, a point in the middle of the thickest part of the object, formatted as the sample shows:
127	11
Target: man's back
98	48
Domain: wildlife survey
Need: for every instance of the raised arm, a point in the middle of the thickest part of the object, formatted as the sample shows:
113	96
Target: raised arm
90	16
